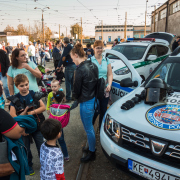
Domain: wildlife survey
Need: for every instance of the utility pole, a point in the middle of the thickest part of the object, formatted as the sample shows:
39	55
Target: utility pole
59	32
125	27
154	18
81	31
102	30
145	19
43	27
42	21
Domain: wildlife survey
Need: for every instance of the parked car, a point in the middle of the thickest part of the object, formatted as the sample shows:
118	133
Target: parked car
145	138
144	56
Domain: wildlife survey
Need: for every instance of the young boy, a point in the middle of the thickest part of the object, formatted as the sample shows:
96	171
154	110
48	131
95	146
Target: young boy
51	157
27	102
55	86
89	53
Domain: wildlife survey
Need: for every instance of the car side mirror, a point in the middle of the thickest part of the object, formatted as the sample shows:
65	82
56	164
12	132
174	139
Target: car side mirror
127	82
152	57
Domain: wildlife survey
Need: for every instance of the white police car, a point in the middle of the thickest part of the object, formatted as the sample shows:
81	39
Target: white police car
144	56
146	138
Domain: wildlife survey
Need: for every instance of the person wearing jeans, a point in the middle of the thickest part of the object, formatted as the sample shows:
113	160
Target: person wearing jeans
38	138
86	113
63	146
85	82
69	75
66	61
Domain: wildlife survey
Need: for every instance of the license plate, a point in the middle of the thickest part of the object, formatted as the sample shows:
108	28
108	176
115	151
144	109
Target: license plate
149	172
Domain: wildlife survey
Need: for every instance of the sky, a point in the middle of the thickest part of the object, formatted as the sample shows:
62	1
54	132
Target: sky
69	12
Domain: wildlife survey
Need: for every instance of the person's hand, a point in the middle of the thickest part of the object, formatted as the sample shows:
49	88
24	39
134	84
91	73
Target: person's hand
108	88
58	69
48	112
25	65
60	52
25	111
24	134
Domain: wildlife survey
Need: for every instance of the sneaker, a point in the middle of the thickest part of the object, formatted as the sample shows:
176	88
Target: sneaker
31	171
66	159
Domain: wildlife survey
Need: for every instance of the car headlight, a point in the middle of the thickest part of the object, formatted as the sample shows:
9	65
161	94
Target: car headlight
122	71
112	128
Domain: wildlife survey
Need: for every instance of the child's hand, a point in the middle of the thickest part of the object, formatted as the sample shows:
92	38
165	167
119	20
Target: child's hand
48	112
25	111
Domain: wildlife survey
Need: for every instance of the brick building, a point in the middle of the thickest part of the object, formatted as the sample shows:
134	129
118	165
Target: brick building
166	18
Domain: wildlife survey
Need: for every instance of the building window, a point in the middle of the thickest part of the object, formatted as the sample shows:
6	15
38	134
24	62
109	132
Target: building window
156	17
163	13
121	29
176	6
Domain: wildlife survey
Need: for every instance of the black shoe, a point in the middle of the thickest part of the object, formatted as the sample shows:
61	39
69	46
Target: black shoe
89	157
85	149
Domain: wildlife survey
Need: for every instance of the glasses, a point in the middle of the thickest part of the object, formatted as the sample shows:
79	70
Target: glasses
23	55
99	48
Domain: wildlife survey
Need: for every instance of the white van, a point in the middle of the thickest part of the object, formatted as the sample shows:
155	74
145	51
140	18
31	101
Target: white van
146	138
144	56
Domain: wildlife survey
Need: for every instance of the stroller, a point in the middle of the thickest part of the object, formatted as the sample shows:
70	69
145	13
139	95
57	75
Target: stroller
44	84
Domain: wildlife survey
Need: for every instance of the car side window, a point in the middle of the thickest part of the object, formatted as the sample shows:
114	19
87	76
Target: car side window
152	51
162	50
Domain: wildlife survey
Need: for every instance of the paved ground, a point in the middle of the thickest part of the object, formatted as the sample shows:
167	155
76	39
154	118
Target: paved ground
100	169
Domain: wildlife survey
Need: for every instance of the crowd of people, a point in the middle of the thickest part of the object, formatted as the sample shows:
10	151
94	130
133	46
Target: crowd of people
84	68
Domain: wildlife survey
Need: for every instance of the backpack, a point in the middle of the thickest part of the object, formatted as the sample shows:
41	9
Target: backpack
60	112
101	85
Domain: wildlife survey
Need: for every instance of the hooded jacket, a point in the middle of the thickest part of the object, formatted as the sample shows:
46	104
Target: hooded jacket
17	146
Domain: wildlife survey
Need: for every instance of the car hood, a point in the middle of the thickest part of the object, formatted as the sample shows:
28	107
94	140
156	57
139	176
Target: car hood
138	116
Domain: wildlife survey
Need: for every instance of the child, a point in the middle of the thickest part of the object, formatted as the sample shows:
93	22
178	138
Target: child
58	97
2	101
37	55
55	86
28	102
51	158
89	53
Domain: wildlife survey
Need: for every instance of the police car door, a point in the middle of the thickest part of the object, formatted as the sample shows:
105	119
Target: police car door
128	72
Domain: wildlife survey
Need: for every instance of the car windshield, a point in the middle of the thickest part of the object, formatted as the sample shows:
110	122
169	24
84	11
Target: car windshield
131	52
169	72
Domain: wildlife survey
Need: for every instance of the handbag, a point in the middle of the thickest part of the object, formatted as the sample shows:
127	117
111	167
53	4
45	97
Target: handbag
5	166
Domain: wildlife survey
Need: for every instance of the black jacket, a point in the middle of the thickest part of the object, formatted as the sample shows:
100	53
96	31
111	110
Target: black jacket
174	45
66	53
4	61
56	54
85	81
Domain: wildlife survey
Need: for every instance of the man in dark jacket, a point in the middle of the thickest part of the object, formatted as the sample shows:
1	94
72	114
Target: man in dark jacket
69	65
175	43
